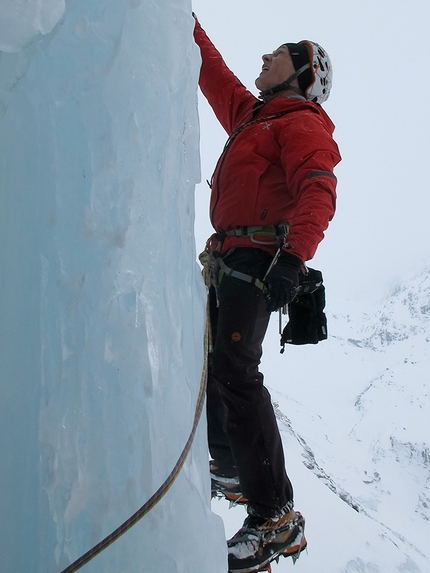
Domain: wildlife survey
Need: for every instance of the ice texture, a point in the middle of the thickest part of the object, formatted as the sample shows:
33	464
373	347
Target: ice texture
23	20
102	302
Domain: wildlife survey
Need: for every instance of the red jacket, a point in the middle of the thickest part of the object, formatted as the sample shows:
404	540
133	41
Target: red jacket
277	165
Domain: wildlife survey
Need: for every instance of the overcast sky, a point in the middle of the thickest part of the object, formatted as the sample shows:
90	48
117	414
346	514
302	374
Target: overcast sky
379	50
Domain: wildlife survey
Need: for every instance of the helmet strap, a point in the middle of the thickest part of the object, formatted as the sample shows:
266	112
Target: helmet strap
286	86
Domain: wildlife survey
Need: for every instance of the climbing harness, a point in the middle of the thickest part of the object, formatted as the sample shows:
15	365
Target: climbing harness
268	235
229	272
164	488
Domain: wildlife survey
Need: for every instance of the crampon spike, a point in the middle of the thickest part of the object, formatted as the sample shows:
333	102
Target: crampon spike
300	538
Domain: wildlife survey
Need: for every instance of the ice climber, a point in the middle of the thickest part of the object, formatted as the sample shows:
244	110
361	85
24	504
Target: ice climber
273	188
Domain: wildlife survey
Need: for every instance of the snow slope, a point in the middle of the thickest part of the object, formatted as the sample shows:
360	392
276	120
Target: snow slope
354	416
102	303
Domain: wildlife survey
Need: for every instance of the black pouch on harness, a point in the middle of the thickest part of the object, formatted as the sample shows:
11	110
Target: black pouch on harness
307	321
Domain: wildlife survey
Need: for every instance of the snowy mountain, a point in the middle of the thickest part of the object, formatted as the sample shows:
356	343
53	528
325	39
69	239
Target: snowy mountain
354	415
406	314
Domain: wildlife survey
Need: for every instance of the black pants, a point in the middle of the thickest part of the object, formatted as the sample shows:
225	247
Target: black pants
242	428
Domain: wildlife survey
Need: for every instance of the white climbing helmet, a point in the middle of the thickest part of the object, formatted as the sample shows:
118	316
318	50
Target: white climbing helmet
322	74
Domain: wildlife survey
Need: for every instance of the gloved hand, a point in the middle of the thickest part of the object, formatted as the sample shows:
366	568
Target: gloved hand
282	281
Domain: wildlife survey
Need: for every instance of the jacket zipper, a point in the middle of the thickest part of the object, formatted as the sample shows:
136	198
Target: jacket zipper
227	146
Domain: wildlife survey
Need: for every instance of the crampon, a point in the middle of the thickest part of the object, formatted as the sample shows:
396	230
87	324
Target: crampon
258	544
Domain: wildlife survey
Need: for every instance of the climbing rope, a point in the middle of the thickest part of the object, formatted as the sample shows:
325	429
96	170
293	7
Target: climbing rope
164	488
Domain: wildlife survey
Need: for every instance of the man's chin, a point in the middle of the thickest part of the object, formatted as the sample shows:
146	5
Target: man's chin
258	85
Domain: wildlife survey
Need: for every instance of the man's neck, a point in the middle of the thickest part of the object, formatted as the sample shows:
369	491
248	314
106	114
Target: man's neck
284	93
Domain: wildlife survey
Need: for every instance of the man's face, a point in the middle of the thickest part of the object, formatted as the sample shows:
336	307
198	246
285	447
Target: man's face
277	67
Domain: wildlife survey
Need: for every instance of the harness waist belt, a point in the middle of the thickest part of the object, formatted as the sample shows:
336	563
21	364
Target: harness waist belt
271	230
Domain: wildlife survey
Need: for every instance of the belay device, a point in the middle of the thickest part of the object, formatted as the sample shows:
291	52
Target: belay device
307	321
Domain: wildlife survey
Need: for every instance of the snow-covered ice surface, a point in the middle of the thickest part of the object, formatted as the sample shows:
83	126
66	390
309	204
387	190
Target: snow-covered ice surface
354	417
102	303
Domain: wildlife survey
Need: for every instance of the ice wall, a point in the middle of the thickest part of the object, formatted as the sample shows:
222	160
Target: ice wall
102	306
22	20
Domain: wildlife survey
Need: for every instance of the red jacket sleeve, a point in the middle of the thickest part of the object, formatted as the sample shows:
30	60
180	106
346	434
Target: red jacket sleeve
309	155
227	96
